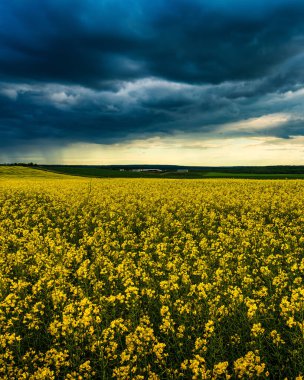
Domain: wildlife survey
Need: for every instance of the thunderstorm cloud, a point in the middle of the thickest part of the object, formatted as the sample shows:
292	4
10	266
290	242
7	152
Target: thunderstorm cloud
108	72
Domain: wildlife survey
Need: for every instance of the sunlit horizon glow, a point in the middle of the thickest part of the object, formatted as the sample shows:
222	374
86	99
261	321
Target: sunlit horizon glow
178	151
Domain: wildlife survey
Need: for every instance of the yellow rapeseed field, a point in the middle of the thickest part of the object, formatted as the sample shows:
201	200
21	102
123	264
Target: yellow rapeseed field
150	278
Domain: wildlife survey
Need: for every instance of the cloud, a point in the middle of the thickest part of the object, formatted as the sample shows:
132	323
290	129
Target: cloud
257	124
62	114
109	72
91	43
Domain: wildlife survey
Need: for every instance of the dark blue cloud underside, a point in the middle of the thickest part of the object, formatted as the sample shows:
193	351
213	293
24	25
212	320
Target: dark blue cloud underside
100	45
81	42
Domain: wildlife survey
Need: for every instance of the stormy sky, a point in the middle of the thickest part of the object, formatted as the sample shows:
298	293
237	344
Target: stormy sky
190	82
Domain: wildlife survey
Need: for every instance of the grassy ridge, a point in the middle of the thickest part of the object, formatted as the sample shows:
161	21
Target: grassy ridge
18	172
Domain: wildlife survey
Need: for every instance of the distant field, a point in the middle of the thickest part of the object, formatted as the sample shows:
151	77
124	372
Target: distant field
97	172
100	172
253	175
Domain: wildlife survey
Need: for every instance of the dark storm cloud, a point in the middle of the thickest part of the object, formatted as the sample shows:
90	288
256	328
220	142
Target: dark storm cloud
290	129
71	113
189	41
106	71
50	113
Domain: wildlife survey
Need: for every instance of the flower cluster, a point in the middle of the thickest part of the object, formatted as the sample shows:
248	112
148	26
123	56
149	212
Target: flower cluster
151	279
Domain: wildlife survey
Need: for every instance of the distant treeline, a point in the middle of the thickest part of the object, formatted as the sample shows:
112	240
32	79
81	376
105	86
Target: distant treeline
20	164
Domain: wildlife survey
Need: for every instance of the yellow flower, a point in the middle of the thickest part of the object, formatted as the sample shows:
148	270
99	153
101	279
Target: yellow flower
250	365
257	329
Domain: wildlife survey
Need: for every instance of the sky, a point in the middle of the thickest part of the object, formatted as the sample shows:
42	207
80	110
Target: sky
186	82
